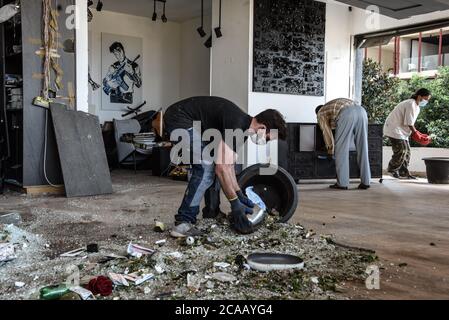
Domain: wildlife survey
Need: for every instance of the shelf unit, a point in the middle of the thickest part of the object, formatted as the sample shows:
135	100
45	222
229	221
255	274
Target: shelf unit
23	124
11	98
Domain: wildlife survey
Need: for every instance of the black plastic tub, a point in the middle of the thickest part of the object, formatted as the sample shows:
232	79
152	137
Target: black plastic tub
437	170
278	191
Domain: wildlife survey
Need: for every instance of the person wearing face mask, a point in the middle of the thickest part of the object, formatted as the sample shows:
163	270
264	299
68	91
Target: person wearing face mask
350	122
222	115
398	128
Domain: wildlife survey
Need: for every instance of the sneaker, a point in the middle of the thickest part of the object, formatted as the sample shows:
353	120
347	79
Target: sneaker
411	177
184	230
364	187
395	174
338	187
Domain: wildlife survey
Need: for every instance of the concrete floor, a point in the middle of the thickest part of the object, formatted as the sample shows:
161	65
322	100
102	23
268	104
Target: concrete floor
404	222
398	219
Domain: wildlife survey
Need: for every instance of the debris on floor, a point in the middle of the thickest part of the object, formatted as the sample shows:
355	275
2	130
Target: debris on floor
214	266
159	226
7	252
10	218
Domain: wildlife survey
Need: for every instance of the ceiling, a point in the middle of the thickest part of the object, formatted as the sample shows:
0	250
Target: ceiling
182	10
176	10
401	9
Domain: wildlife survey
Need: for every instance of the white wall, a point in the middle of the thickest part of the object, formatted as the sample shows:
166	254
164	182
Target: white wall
82	87
417	164
161	61
230	54
195	59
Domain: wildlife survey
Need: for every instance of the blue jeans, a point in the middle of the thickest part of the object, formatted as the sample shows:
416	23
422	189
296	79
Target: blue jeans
202	181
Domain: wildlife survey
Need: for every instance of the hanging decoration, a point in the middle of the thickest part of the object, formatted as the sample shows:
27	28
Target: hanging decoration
50	55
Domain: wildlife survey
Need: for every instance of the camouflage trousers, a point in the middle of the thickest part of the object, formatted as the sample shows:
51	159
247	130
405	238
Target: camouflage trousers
401	156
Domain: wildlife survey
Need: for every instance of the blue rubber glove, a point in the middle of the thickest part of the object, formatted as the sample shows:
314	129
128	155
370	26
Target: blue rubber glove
239	220
249	205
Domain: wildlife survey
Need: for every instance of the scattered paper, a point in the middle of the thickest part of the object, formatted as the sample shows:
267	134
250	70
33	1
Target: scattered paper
193	282
144	278
161	242
175	254
138	279
159	269
224	277
83	293
221	265
118	279
137	251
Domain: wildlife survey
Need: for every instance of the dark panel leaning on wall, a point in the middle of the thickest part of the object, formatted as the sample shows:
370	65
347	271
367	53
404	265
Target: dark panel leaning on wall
34	117
289	47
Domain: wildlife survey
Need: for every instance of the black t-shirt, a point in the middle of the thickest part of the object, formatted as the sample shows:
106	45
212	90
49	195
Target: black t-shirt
213	112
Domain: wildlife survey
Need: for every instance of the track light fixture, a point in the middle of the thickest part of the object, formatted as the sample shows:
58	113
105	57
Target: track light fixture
99	5
218	32
208	43
154	18
90	3
200	30
164	17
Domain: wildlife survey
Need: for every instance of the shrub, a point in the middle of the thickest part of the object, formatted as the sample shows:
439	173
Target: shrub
379	92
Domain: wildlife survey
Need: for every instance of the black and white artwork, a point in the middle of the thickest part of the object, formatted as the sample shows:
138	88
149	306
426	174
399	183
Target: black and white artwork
121	71
289	47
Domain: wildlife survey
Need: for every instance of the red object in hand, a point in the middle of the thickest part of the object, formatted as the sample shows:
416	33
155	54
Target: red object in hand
421	138
100	285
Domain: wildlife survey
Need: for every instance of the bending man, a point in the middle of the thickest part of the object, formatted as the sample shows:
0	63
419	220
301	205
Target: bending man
222	115
350	122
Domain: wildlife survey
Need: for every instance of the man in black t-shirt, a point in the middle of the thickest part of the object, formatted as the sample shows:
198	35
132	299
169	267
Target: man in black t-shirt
221	116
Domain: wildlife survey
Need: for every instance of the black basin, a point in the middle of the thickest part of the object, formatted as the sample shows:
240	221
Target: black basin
437	170
278	191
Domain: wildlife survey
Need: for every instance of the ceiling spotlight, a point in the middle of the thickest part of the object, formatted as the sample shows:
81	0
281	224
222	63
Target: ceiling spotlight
208	43
218	29
154	18
201	29
99	5
201	32
164	17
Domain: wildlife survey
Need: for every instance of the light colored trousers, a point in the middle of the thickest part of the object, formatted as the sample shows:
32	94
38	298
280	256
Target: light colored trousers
352	125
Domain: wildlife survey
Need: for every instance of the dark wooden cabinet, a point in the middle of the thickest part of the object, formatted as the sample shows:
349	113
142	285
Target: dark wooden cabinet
307	157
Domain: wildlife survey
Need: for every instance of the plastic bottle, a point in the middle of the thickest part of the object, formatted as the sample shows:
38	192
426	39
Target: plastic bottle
53	292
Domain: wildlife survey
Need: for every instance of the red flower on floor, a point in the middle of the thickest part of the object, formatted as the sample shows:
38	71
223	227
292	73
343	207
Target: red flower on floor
100	285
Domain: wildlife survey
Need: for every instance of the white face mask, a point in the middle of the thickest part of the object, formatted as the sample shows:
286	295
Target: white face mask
423	103
259	138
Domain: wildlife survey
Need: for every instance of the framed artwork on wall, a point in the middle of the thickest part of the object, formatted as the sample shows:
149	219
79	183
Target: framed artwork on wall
289	47
121	64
